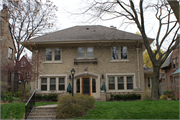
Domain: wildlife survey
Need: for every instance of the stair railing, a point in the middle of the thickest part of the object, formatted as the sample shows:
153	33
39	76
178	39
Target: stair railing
30	104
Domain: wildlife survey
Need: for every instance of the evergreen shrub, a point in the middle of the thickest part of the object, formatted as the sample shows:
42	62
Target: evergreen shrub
73	106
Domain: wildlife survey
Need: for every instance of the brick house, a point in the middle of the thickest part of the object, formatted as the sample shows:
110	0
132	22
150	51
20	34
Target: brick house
25	69
170	79
7	49
98	54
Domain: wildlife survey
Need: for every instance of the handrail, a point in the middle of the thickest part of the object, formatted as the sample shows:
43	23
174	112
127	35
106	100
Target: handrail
30	104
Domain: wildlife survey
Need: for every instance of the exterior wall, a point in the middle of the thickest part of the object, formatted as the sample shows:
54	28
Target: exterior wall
5	42
105	66
168	73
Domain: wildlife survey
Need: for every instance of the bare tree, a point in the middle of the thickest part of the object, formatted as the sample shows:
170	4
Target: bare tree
166	31
27	19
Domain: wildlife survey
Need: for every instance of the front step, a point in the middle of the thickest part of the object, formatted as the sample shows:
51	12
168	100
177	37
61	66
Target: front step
43	112
98	99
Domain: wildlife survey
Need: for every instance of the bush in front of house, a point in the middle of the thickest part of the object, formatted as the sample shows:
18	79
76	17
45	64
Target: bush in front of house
48	97
69	107
169	93
125	97
163	97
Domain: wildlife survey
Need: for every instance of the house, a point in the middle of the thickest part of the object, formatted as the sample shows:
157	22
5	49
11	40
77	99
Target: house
7	50
98	54
170	79
25	69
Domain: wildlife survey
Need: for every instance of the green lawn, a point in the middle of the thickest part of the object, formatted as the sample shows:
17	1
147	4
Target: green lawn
161	109
16	110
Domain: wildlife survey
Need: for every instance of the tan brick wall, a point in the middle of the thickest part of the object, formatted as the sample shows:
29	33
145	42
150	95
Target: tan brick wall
104	66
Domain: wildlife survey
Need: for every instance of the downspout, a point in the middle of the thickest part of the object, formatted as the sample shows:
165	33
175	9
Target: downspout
138	65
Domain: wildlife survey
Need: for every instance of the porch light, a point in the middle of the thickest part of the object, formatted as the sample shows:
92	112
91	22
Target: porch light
72	73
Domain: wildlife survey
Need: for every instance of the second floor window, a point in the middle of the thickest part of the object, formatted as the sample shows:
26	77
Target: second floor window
23	64
124	52
115	53
177	62
10	53
119	53
85	52
48	53
53	54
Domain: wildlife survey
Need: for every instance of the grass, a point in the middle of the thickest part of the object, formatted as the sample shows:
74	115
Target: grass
161	109
17	110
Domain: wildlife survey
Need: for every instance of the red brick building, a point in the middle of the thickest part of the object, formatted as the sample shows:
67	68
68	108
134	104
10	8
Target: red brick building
171	70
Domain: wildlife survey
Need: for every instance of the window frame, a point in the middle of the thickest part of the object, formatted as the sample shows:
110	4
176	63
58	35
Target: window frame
52	84
129	82
120	82
177	63
123	52
111	83
42	84
61	84
57	54
85	52
173	63
53	54
49	54
112	52
119	53
149	81
10	53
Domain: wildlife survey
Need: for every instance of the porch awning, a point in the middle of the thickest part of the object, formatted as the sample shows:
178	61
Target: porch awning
177	71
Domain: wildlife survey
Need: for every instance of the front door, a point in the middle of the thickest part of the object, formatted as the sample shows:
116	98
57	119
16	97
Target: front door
86	85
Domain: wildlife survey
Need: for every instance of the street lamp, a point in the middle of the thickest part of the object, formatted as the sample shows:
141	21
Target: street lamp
72	73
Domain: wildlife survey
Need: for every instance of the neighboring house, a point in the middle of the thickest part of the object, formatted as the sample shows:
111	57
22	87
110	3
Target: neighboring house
7	49
25	70
171	69
98	54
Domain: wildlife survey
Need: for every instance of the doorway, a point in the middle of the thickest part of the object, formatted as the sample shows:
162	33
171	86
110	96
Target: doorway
86	86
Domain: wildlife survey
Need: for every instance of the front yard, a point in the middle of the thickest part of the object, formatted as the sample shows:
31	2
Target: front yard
146	109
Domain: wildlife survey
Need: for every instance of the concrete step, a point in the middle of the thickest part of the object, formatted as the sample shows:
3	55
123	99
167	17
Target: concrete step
98	99
43	112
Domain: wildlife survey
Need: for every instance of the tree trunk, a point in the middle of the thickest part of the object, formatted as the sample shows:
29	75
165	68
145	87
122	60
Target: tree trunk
155	83
24	90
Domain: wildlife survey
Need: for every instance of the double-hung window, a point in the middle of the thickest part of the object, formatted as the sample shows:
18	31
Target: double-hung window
123	52
111	83
129	82
115	53
57	55
84	52
48	54
61	84
120	83
43	84
10	53
52	83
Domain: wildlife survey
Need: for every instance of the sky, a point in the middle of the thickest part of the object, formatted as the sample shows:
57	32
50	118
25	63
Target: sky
67	17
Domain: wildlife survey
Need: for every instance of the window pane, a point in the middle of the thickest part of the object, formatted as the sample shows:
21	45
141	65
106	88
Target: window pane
52	80
89	49
115	53
80	49
121	86
78	86
89	54
52	87
61	80
57	53
10	53
48	54
44	80
111	80
124	52
93	85
120	79
43	87
129	79
129	86
80	54
61	87
111	86
174	66
177	62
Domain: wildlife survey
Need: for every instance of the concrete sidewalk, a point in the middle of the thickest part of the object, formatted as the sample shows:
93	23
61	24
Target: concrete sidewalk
47	106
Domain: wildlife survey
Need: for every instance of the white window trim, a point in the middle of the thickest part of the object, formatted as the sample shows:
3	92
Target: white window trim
10	56
116	82
53	57
119	55
85	53
48	76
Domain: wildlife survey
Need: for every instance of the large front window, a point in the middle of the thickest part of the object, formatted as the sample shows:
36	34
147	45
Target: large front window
52	83
111	83
43	84
61	84
120	83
